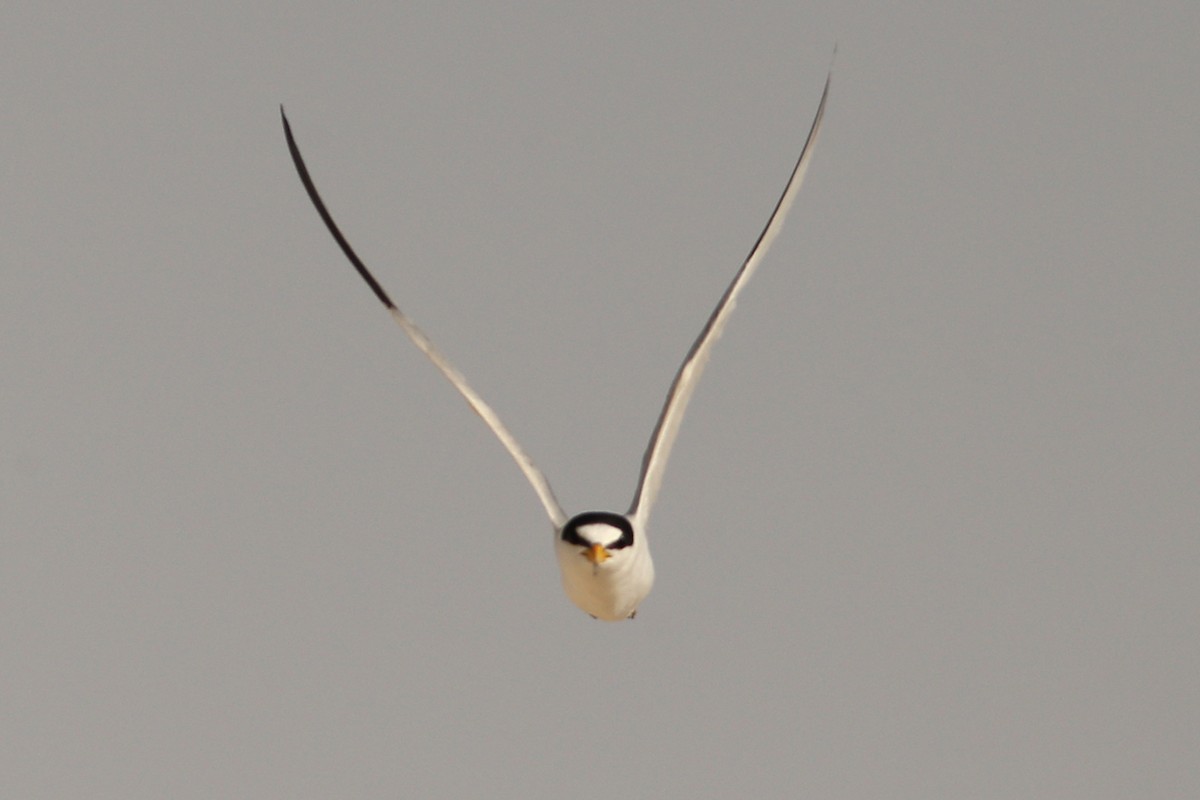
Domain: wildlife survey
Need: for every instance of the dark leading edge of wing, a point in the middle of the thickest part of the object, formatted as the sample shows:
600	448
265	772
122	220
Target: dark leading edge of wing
658	451
654	461
311	188
534	475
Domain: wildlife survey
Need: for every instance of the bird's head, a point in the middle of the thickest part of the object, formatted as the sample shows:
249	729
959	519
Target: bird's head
600	535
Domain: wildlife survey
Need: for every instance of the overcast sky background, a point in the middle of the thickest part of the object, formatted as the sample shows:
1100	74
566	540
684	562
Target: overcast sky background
930	529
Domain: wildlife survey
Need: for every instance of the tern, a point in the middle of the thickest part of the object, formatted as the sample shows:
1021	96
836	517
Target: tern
604	556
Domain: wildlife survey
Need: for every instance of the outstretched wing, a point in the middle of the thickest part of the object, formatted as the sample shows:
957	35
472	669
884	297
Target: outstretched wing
654	462
540	485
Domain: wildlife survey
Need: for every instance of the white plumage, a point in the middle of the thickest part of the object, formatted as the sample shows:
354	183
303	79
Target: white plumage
604	556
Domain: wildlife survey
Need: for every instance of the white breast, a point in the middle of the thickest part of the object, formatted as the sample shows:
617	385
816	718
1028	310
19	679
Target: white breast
610	591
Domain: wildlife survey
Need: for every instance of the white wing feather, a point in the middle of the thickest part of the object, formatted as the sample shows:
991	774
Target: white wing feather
658	451
534	475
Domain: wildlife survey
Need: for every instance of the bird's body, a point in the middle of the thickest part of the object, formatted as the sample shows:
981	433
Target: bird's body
605	563
604	556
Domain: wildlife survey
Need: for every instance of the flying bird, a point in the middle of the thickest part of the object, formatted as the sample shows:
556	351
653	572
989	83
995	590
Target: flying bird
604	556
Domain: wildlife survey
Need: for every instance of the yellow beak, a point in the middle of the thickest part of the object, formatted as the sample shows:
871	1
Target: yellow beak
597	554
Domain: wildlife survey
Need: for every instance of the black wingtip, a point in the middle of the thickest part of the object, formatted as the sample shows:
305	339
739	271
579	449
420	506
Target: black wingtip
327	218
829	76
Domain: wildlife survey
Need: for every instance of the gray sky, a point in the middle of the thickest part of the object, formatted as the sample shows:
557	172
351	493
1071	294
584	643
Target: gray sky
930	529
